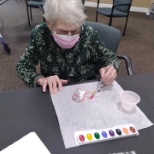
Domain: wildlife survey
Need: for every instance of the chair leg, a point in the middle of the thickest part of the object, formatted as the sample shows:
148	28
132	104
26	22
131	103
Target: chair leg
83	2
28	15
125	26
110	21
96	16
31	14
41	8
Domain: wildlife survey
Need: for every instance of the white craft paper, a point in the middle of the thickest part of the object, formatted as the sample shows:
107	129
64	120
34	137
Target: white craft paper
29	144
103	111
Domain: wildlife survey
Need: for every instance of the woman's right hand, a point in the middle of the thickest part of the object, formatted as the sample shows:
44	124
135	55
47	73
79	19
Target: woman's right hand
53	82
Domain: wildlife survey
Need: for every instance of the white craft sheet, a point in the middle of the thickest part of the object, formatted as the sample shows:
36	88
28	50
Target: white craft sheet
103	111
29	144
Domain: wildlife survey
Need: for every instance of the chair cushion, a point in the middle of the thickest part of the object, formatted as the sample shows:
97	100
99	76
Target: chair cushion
107	12
35	3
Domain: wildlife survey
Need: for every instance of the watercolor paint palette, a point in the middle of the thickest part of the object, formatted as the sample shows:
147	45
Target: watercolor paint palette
93	136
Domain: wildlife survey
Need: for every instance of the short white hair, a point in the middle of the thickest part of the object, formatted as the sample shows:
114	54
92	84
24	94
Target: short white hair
68	11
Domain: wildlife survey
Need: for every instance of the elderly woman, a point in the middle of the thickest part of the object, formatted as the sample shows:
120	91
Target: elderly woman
66	49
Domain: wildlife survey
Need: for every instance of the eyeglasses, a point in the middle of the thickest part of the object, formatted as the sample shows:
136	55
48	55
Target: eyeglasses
64	32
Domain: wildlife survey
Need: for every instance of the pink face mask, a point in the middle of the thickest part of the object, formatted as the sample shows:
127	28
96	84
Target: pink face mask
66	41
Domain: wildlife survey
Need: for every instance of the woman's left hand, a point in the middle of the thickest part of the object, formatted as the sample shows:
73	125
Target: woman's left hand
108	74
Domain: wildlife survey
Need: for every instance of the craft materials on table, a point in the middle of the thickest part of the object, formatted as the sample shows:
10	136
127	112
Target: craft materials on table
93	136
28	144
81	95
96	90
126	152
102	112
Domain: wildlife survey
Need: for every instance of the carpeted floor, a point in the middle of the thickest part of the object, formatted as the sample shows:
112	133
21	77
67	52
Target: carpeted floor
138	42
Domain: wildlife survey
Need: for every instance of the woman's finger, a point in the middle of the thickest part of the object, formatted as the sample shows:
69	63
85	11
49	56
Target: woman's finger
45	83
50	85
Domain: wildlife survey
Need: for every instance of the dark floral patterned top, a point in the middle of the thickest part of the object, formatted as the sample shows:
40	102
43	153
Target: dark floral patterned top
79	63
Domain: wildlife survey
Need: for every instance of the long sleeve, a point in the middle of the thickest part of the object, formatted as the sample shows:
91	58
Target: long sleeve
26	65
79	63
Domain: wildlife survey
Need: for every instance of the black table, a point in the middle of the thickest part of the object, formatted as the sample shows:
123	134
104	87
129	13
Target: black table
31	110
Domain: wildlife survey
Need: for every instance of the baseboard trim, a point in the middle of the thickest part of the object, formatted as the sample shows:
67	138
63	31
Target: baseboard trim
133	8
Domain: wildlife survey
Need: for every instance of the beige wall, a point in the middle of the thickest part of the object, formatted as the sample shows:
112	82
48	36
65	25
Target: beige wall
137	3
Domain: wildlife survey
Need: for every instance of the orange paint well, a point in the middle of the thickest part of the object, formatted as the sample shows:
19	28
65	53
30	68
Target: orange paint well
125	130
